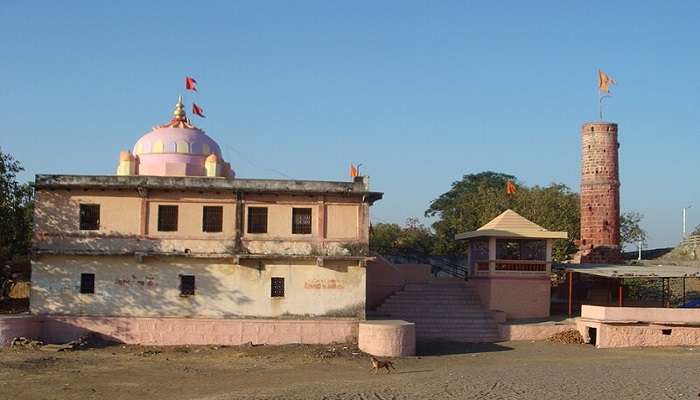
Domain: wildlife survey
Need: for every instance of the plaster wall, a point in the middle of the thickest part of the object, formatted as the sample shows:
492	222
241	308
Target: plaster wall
384	278
126	287
518	297
57	212
129	223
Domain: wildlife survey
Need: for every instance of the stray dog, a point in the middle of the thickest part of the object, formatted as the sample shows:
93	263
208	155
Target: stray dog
378	364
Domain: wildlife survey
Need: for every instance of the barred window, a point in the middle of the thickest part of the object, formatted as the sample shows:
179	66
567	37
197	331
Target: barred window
87	283
186	285
89	217
257	219
212	218
277	287
301	220
167	218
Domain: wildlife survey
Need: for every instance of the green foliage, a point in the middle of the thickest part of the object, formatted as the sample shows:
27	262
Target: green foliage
412	238
478	198
631	232
16	209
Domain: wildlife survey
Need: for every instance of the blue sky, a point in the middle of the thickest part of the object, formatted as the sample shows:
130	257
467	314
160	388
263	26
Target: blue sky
419	92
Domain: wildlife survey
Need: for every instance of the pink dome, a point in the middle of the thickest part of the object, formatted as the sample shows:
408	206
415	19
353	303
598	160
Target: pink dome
175	149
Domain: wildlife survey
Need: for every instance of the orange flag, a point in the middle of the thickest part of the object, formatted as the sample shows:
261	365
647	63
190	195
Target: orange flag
197	110
190	83
604	81
353	171
510	188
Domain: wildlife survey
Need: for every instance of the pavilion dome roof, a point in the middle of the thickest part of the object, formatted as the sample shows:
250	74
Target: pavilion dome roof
510	224
177	148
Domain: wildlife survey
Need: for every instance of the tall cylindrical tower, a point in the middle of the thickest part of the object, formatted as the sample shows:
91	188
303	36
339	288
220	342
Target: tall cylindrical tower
600	194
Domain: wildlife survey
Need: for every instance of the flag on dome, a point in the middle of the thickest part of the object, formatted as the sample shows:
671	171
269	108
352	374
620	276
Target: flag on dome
197	110
190	83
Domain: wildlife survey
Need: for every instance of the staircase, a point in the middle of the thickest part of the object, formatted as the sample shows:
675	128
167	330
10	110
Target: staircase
442	309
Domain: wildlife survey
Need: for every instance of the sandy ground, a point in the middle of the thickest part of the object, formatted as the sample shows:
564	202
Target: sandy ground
515	370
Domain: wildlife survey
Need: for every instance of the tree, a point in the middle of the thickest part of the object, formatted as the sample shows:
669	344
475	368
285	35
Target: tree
412	238
16	209
477	198
631	232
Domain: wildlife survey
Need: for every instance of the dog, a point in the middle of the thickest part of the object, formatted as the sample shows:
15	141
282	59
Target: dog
378	364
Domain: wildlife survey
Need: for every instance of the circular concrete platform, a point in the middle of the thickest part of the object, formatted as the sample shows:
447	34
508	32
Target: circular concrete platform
387	338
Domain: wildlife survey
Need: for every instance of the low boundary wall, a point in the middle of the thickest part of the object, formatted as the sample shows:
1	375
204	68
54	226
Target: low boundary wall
630	326
180	331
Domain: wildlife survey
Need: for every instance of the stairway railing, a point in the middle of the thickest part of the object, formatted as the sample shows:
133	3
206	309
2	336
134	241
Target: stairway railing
437	266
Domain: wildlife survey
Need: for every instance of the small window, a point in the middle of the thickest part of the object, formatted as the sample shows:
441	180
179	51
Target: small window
212	218
167	218
301	221
186	285
277	287
87	283
666	332
257	219
89	217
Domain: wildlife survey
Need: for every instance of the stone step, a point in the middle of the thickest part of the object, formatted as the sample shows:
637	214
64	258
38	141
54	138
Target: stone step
453	315
438	308
432	301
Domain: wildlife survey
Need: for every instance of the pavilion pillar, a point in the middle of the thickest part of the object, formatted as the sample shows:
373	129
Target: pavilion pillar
620	293
571	292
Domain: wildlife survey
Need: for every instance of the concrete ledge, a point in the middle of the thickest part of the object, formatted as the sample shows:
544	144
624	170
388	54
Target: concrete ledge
390	338
181	331
534	331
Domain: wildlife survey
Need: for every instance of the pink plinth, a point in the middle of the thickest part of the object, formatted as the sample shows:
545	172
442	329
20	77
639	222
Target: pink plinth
387	338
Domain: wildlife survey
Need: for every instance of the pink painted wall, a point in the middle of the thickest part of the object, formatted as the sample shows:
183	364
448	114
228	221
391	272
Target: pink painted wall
518	297
384	278
180	331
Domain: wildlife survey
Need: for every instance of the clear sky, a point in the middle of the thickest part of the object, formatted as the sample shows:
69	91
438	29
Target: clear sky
420	93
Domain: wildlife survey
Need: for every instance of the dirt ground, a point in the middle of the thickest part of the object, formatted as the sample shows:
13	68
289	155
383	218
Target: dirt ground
514	370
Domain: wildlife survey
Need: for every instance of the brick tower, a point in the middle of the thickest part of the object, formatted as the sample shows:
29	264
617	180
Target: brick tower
600	194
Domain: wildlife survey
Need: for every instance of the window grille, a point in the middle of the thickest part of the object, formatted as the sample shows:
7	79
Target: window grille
257	219
301	220
167	218
89	217
212	218
187	285
87	283
277	287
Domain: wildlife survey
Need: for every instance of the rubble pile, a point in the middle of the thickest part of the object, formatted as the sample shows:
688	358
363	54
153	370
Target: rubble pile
570	336
334	351
25	343
89	340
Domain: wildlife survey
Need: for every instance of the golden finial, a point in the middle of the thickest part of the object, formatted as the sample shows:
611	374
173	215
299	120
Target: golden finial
179	112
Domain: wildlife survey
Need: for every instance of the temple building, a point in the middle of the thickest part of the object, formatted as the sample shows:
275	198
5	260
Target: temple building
174	233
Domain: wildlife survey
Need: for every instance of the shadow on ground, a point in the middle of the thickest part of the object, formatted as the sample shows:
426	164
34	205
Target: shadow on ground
446	348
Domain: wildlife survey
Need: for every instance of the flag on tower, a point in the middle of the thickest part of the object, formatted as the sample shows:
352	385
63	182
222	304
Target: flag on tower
604	81
353	171
197	110
510	188
190	83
